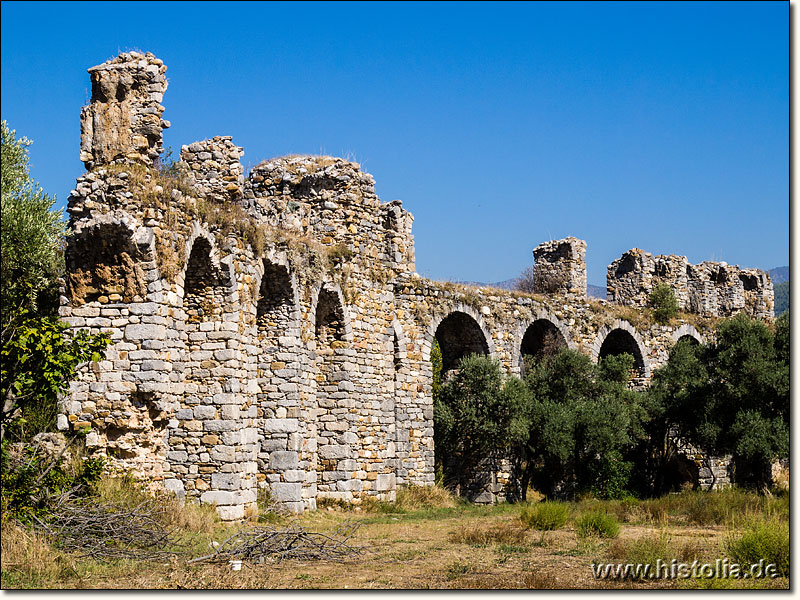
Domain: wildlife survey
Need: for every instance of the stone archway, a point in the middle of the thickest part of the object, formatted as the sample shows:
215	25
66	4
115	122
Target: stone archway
336	444
622	338
278	362
103	262
688	332
203	288
459	335
541	338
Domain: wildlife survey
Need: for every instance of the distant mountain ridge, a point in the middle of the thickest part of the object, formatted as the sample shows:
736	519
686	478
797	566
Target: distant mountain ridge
779	275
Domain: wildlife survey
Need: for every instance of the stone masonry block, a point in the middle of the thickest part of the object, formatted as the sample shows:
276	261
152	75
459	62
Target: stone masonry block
144	332
226	481
287	492
283	460
220	498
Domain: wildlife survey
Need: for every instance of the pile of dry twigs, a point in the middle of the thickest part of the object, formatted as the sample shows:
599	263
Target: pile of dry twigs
109	531
263	544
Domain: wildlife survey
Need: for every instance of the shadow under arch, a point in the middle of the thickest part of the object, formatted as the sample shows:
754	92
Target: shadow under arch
619	338
544	335
687	331
104	258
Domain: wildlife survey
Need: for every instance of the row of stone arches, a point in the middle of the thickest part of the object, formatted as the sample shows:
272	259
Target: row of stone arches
462	331
284	366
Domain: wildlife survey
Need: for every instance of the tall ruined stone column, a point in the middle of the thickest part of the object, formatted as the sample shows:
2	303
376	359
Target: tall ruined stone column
123	120
560	267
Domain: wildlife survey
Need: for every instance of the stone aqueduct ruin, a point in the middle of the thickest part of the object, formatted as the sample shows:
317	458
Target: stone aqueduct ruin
270	330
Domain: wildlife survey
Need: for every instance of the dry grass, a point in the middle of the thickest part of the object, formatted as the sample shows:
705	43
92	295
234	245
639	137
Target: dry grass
496	533
188	517
424	497
430	540
28	560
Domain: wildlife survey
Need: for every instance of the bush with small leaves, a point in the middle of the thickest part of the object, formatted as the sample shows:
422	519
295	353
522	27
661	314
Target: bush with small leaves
545	516
664	303
597	523
762	539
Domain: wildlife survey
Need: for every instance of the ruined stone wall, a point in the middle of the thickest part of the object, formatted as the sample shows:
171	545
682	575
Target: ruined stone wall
124	117
713	289
560	267
269	331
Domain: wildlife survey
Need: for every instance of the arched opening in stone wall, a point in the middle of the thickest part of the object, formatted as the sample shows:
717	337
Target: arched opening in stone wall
274	294
459	335
541	339
749	281
626	265
399	408
206	352
279	369
202	297
336	463
103	264
689	339
329	318
619	341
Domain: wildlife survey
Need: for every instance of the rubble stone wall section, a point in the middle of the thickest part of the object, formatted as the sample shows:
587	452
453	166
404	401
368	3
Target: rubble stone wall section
123	119
560	267
270	332
713	289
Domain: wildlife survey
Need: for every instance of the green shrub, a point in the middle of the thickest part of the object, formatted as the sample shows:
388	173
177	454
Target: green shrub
611	475
761	539
664	303
597	523
29	482
545	516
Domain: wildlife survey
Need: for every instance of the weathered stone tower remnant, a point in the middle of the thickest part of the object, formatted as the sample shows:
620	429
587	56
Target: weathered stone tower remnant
713	289
560	267
124	117
269	331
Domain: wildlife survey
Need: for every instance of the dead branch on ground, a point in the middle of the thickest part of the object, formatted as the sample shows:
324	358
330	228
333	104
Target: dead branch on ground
262	544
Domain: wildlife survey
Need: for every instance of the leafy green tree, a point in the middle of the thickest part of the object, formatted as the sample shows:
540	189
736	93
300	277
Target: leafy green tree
782	297
478	413
731	396
436	368
31	234
670	402
782	333
37	362
584	420
37	359
664	303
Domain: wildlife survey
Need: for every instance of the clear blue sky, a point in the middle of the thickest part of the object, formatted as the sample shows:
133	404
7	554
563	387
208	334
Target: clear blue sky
660	126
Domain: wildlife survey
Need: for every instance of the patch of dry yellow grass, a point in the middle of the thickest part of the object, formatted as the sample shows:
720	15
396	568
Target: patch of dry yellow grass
419	497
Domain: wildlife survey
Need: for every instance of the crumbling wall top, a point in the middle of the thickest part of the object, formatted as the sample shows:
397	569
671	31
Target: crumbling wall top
714	289
123	119
215	167
560	267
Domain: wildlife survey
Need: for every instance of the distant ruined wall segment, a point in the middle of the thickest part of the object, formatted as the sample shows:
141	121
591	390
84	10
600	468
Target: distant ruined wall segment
560	267
215	167
711	289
